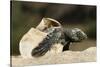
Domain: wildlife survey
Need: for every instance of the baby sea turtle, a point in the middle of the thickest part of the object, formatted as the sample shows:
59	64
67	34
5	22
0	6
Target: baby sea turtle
56	34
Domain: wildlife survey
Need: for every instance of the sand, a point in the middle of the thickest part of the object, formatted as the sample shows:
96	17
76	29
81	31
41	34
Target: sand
78	53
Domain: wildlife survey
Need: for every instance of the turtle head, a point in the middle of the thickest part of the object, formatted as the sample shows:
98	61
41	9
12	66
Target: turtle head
78	35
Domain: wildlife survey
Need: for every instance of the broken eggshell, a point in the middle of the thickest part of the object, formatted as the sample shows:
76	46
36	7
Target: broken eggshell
29	41
47	23
35	35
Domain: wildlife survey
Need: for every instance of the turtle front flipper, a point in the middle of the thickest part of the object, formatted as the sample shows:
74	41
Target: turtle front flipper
52	38
43	47
66	46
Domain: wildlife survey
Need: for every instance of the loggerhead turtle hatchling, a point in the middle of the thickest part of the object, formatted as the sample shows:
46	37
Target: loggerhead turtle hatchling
56	34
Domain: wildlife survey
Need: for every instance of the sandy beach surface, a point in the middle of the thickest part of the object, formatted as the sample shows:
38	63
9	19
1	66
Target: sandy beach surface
86	52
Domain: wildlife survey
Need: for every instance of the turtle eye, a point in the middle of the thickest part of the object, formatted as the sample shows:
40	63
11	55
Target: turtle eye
80	35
